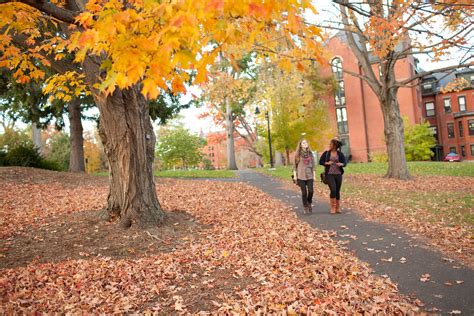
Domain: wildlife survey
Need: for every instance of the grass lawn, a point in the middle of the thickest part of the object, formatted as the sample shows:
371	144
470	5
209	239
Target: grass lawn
465	169
457	206
187	174
433	168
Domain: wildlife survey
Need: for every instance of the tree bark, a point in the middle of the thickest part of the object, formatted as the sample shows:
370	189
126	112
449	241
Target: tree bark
76	161
229	123
36	137
129	142
394	136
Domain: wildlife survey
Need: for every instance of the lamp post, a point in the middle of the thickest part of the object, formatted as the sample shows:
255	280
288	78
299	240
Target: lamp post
257	111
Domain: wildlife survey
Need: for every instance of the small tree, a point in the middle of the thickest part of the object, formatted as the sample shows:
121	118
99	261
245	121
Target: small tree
177	147
59	149
294	100
419	141
11	138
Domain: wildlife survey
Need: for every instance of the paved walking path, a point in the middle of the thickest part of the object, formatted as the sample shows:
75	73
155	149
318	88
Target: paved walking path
374	243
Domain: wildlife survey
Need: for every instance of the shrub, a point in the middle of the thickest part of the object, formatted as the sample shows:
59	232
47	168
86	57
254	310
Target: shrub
3	158
50	165
59	151
27	155
207	164
419	140
380	156
24	155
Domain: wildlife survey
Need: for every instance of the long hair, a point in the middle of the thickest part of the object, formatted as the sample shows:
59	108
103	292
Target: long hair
299	150
336	143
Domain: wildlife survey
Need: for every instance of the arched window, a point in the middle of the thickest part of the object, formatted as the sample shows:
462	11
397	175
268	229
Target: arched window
336	65
340	97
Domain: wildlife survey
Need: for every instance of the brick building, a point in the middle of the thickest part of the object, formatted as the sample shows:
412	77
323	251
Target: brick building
357	115
451	115
216	151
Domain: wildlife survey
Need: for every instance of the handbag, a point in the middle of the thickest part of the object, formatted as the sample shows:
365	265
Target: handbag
323	178
293	179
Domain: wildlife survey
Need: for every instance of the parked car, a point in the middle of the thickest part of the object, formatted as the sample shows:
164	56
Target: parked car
452	157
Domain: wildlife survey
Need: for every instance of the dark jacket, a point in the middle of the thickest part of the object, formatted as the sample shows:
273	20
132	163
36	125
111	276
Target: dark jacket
325	156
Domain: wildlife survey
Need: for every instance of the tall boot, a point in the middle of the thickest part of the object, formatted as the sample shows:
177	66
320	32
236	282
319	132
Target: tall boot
333	206
338	206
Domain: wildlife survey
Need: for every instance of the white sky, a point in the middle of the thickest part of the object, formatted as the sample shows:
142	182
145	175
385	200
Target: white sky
190	117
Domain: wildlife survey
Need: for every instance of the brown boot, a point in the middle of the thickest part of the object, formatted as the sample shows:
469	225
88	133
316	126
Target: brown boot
338	206
305	209
333	206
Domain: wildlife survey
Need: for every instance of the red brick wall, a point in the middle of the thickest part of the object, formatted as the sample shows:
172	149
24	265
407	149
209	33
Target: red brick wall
441	120
366	133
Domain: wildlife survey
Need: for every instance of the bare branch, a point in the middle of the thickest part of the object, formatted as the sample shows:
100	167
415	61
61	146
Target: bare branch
427	73
361	53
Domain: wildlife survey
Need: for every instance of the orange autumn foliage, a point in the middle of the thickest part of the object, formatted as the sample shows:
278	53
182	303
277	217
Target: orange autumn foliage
153	43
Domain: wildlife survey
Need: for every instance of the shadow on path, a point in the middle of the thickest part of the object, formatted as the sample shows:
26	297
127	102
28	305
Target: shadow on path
382	247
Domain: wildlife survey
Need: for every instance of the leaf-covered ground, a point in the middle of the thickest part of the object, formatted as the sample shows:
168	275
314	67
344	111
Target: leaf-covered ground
237	250
438	209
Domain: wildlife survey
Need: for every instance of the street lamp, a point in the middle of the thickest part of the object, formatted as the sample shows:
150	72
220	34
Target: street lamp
257	112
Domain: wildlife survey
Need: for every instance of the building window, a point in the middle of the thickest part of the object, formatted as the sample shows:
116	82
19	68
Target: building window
427	87
470	126
452	150
340	96
430	109
447	105
434	130
342	125
336	65
472	150
463	151
450	130
462	103
461	130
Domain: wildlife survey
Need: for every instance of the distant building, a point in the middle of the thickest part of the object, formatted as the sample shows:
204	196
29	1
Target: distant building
216	151
358	119
451	115
355	109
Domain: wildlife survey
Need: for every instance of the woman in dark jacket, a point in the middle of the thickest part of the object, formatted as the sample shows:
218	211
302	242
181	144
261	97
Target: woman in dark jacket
334	162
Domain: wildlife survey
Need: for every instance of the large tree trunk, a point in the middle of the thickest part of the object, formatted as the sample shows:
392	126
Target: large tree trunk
229	124
76	161
129	142
394	136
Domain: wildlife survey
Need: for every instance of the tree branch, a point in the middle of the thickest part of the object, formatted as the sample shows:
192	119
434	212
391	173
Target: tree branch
48	8
426	73
360	53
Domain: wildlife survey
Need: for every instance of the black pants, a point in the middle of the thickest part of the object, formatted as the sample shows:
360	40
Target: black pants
334	183
306	191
